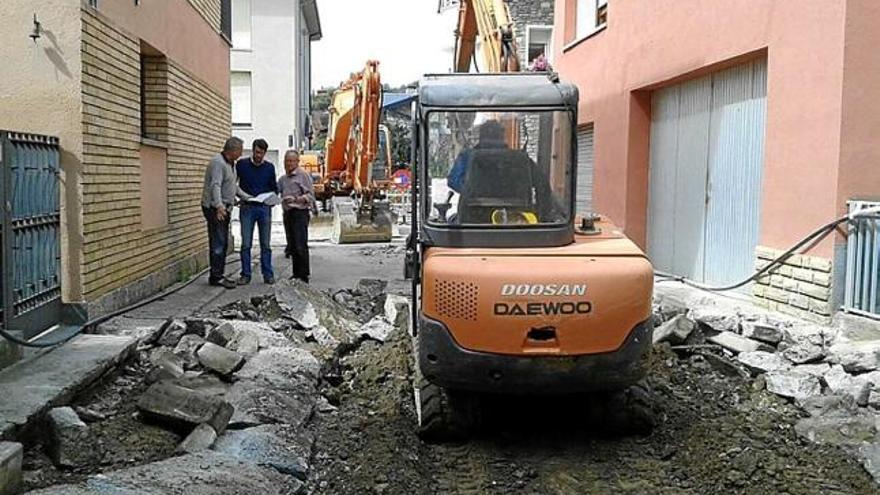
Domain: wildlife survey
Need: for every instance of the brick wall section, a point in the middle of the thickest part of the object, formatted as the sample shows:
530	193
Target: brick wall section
801	287
155	75
117	251
210	10
525	13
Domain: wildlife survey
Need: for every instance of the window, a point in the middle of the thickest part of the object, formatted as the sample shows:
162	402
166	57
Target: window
154	94
241	24
538	39
240	93
226	20
498	169
589	16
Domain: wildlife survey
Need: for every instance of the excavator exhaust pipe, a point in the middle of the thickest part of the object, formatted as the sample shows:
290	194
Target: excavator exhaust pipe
351	225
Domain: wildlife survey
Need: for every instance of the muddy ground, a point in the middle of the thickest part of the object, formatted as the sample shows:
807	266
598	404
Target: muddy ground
716	434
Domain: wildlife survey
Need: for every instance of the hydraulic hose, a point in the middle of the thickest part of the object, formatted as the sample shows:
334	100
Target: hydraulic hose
815	236
101	319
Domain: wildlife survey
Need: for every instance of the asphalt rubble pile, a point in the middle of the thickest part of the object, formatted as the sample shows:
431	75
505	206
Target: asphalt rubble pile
234	388
832	373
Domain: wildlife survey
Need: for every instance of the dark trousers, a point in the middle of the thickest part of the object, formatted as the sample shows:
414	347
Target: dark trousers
296	227
260	215
218	242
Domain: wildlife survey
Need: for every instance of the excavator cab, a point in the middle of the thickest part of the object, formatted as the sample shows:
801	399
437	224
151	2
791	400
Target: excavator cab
511	292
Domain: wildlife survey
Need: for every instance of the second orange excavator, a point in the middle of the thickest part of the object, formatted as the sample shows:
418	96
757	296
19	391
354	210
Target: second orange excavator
356	172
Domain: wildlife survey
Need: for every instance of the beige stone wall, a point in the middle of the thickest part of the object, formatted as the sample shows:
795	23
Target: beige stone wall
801	287
210	10
118	251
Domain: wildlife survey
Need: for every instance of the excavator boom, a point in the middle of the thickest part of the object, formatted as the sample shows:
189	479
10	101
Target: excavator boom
490	21
350	180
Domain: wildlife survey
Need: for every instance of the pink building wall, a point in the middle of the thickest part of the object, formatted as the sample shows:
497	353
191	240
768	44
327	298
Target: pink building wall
822	132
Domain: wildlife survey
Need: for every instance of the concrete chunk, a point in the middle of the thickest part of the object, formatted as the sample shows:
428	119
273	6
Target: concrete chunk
175	330
70	442
377	329
183	408
279	446
762	332
718	319
187	347
202	473
737	344
11	455
55	377
221	334
674	331
856	356
762	361
201	438
792	384
397	311
804	353
167	366
218	359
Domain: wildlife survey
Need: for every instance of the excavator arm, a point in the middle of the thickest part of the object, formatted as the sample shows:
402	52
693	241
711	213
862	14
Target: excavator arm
488	20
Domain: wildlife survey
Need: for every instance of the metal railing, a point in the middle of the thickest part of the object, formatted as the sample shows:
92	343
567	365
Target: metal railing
862	294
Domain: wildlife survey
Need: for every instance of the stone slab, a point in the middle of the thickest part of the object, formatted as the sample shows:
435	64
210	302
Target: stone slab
203	473
70	443
219	359
279	446
184	408
737	344
10	468
201	438
31	387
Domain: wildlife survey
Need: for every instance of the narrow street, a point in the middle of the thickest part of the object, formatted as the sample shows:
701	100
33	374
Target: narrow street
329	410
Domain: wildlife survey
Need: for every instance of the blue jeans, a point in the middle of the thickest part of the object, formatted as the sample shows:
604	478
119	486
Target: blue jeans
261	215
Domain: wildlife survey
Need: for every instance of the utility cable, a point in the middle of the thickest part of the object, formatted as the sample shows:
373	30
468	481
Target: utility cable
815	236
101	319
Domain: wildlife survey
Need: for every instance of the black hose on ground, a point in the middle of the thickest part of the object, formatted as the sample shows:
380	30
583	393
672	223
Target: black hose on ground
815	236
101	319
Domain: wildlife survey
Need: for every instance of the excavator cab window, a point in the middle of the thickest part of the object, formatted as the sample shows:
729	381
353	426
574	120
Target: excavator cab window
499	169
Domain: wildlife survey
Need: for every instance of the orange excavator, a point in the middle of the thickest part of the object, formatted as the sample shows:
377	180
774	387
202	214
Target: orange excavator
511	292
356	172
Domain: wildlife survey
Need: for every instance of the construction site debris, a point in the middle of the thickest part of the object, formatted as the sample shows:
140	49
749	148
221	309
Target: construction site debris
183	409
737	344
70	443
201	438
219	359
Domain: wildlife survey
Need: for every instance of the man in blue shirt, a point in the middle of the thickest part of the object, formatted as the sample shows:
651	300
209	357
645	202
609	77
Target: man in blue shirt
491	136
256	176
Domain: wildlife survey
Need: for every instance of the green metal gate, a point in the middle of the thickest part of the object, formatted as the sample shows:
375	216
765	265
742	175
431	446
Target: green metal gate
30	232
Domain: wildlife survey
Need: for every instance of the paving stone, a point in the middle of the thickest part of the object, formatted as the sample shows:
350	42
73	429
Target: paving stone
856	356
792	385
206	383
674	331
829	405
187	347
857	386
761	361
737	344
762	332
202	473
807	334
182	408
201	438
70	442
279	446
174	331
819	369
11	455
219	359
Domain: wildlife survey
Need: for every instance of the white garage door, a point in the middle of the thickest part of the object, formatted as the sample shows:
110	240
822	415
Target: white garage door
706	162
584	196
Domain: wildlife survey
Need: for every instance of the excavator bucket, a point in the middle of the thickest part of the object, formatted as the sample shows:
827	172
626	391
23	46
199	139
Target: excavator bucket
351	226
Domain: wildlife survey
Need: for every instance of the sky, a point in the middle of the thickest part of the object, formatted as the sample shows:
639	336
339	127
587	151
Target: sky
408	38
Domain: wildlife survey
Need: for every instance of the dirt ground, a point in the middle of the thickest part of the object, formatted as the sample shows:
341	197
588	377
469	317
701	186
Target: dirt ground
716	434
